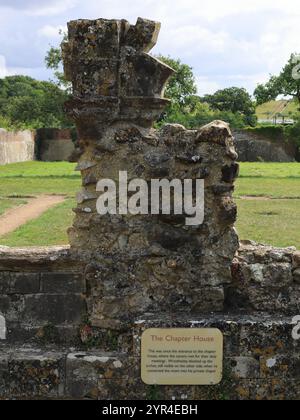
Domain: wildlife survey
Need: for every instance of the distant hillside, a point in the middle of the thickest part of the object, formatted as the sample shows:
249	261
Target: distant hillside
272	109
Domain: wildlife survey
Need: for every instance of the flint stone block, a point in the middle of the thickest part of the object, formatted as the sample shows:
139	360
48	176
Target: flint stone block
230	173
115	135
275	366
62	283
296	259
245	367
87	372
296	276
36	374
209	299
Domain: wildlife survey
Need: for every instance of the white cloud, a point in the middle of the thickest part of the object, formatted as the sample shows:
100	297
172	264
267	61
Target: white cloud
49	31
226	42
206	86
39	7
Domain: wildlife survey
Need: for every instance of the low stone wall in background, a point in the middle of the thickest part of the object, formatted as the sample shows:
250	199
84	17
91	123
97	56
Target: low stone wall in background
252	147
45	144
16	146
54	145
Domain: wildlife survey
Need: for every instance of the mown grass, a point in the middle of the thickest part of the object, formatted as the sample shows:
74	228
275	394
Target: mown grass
270	170
268	109
33	178
275	221
7	203
276	180
48	229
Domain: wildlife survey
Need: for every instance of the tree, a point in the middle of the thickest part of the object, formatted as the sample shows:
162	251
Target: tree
287	83
235	100
182	84
29	103
53	61
267	92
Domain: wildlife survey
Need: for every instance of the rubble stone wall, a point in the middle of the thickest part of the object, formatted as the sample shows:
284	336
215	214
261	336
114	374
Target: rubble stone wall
144	263
52	351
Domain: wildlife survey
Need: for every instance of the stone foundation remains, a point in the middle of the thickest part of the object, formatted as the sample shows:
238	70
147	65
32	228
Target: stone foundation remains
74	317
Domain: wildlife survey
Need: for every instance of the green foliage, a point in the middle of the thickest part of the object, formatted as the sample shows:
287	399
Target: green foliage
199	115
272	132
234	100
289	133
182	84
28	103
292	133
53	61
267	92
275	108
287	83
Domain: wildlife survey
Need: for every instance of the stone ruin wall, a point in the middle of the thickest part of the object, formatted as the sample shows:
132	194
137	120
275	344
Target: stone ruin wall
50	340
144	263
75	316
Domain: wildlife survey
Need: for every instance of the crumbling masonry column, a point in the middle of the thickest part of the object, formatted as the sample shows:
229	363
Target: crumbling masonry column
146	263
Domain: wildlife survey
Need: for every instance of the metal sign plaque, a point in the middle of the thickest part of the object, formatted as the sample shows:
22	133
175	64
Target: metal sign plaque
190	356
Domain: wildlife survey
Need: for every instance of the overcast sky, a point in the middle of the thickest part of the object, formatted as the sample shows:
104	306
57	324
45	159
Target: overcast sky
227	42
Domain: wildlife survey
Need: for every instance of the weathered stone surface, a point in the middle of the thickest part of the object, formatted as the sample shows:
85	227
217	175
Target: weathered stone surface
35	374
143	36
62	283
4	282
54	308
296	276
264	280
90	374
296	259
114	107
24	283
245	367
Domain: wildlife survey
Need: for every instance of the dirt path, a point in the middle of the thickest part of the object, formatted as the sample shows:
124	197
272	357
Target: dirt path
35	207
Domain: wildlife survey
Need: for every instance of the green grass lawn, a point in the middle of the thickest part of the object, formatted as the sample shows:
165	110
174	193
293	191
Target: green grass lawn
8	203
49	229
268	109
33	178
275	221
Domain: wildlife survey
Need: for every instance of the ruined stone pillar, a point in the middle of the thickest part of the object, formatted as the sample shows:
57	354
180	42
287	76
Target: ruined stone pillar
138	264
